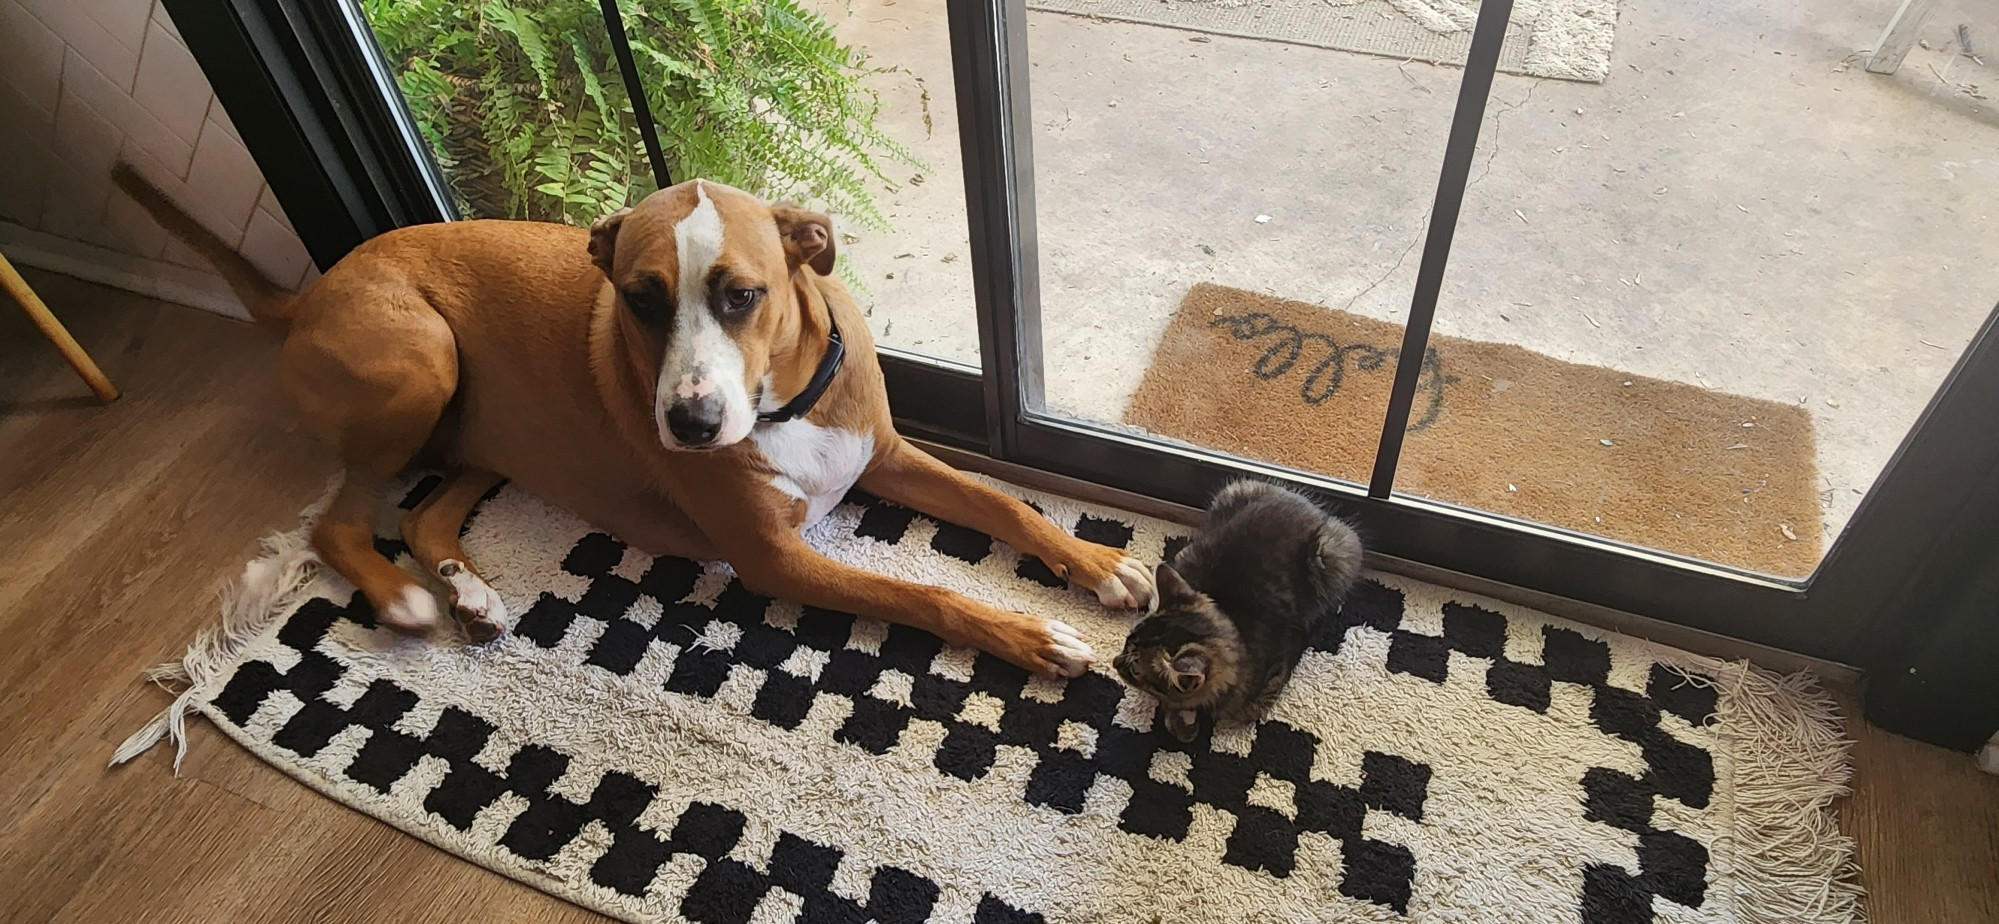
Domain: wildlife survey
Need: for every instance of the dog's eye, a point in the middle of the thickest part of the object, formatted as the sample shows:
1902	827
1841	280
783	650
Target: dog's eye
646	303
737	301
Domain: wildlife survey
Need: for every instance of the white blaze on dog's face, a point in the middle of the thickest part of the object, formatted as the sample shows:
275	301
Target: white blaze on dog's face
706	282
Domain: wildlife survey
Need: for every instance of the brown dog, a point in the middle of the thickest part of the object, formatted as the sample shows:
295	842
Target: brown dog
641	374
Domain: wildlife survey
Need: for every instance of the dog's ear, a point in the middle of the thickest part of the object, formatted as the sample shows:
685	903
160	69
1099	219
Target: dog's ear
604	239
1173	589
807	236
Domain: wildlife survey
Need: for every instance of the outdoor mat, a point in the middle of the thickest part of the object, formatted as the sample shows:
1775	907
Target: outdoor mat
1495	427
1563	39
658	743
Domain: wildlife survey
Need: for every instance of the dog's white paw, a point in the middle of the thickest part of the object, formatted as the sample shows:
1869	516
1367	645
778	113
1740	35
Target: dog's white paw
413	611
1066	652
474	603
1128	587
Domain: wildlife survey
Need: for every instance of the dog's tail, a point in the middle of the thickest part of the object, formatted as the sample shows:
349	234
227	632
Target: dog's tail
270	304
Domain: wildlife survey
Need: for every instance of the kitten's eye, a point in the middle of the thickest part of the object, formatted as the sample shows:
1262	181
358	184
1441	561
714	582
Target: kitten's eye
738	301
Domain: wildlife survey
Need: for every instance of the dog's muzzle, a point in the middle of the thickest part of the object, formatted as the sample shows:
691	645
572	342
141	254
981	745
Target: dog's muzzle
695	422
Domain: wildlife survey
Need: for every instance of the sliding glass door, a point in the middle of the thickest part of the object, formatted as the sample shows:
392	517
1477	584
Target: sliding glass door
1675	326
1570	311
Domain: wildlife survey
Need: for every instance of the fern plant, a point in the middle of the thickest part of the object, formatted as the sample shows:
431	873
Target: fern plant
522	102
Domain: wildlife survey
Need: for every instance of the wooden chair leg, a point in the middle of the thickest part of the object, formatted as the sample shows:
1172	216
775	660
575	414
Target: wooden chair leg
16	287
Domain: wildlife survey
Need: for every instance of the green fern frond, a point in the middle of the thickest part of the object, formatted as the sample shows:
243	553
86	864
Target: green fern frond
524	105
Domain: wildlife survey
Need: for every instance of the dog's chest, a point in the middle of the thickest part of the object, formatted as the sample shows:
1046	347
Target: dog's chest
813	463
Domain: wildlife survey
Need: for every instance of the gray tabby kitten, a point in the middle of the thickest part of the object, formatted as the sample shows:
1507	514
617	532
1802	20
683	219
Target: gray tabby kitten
1237	605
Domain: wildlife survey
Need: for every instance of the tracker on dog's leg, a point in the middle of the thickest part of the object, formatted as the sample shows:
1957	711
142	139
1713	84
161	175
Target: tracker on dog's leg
914	478
431	531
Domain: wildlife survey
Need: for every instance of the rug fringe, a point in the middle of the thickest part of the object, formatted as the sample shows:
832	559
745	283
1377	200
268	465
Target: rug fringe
1793	759
269	587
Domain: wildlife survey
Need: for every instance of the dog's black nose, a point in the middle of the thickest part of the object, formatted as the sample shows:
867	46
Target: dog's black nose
696	422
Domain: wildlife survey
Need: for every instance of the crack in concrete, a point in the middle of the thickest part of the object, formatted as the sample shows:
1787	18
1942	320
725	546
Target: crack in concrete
1391	270
1494	154
1422	229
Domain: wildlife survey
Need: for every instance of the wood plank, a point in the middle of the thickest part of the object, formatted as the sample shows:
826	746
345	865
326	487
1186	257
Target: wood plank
1927	824
101	615
190	856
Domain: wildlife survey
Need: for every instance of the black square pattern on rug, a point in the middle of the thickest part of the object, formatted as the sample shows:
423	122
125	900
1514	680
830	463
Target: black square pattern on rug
764	649
1675	867
727	890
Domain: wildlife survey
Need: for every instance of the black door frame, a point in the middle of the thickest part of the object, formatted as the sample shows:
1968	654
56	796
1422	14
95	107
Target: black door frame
336	148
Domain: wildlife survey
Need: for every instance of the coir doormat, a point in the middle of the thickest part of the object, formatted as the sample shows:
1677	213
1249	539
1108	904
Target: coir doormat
1495	427
659	743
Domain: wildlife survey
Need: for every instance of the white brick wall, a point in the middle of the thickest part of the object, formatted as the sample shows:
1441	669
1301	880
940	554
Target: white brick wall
84	82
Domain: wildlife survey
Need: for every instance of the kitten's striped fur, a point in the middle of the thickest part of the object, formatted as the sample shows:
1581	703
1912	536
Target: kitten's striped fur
1237	605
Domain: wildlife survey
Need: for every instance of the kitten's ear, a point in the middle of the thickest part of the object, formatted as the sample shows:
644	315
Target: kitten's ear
1172	587
1189	672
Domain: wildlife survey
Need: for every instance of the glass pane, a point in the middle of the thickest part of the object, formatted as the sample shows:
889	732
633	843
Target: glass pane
913	266
1229	226
523	106
1710	270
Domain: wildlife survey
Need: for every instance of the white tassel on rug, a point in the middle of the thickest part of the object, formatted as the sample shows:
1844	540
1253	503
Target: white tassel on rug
270	587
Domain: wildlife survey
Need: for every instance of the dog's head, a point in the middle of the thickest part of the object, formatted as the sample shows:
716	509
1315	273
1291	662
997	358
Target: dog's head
708	287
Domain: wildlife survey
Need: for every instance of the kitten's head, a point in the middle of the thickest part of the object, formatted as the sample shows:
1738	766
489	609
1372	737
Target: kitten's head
1185	654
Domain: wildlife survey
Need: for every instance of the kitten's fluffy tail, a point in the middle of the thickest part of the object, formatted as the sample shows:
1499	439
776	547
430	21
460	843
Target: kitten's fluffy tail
1339	559
1338	562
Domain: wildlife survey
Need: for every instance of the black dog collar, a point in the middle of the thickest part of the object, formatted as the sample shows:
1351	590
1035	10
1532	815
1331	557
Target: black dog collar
829	366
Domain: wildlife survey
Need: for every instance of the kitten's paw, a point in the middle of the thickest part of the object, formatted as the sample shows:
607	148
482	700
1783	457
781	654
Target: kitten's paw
474	603
1183	724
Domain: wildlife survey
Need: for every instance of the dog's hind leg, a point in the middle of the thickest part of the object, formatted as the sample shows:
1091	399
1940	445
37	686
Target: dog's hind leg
345	539
432	530
373	383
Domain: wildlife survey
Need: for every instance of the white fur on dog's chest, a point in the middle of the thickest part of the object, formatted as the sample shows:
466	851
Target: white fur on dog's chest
813	463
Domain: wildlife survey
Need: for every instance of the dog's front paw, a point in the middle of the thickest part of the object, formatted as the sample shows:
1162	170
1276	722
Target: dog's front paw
1065	651
474	603
1119	580
1044	646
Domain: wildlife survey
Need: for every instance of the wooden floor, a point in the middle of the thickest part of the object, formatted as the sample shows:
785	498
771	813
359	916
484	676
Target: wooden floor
121	524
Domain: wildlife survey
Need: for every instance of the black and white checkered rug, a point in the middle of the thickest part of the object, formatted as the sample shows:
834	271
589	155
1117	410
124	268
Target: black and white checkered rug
658	743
